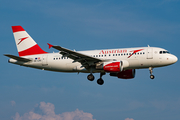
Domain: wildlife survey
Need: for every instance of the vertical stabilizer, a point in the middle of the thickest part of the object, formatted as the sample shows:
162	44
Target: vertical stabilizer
25	44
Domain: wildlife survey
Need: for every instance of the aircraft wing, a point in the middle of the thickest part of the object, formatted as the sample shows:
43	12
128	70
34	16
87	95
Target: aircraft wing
17	58
84	59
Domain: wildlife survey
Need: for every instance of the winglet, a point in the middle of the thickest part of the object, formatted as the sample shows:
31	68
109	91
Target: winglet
49	45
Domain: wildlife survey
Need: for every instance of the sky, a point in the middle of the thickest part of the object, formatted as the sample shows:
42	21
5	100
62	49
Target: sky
31	94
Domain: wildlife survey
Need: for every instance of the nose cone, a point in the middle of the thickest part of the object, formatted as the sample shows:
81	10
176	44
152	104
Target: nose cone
174	59
168	59
171	59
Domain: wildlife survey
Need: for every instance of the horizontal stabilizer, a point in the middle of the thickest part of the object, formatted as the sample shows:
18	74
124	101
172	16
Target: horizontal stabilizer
17	58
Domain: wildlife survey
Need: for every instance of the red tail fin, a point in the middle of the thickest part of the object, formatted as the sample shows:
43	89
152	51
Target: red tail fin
25	44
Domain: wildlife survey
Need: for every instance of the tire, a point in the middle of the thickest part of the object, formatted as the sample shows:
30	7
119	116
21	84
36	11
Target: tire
90	77
100	81
152	76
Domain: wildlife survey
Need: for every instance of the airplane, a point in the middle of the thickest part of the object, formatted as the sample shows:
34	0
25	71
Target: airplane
120	63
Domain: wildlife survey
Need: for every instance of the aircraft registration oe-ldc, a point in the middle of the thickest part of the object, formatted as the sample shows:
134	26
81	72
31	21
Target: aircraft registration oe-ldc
120	62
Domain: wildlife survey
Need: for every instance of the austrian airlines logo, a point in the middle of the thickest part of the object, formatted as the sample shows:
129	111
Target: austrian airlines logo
22	39
134	51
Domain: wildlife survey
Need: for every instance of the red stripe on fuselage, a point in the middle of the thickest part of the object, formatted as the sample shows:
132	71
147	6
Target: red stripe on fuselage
134	51
32	51
17	29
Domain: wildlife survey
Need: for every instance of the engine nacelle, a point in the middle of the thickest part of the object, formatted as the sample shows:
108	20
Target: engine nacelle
113	67
126	74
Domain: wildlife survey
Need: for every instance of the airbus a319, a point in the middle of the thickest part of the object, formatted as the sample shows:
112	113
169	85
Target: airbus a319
120	62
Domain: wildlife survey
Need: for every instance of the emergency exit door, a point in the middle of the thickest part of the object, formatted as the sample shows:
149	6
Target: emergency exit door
44	60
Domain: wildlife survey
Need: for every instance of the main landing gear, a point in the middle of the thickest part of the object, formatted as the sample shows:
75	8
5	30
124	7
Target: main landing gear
151	71
100	81
90	77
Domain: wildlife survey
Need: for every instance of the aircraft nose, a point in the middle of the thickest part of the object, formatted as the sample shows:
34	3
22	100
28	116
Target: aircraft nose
171	59
174	59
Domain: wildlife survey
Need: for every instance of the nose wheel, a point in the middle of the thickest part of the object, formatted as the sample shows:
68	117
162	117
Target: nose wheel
151	71
152	76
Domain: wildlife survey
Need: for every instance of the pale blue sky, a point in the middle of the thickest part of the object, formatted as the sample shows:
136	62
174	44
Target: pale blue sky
86	25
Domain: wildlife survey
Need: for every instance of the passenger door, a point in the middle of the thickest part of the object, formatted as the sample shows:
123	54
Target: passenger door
150	53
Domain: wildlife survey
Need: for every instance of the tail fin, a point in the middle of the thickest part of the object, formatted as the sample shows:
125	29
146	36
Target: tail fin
25	44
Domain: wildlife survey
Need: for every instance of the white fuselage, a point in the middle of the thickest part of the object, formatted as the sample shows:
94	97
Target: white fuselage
132	59
120	62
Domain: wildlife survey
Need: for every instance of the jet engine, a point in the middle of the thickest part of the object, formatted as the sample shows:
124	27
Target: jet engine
126	74
112	66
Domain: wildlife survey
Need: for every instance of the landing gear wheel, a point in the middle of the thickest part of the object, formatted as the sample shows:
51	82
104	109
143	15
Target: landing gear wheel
90	77
151	71
100	81
152	76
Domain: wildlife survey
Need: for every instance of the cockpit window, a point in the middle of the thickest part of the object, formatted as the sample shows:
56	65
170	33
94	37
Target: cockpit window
163	52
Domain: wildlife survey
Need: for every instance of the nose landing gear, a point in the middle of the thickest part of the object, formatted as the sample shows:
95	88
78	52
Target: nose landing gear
151	71
152	76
